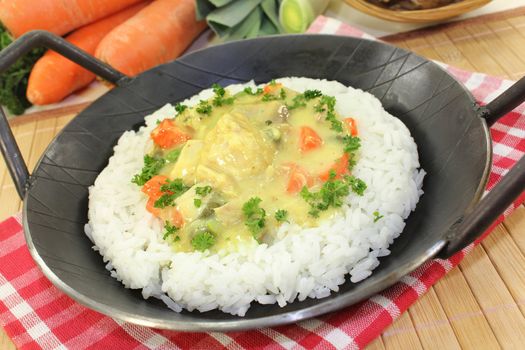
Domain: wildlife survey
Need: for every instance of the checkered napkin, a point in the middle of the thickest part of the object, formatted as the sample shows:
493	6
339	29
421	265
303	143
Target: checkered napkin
37	315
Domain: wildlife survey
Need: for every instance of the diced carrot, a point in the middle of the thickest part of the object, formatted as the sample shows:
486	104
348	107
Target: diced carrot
152	187
176	218
309	139
340	168
351	126
150	206
298	179
268	89
168	135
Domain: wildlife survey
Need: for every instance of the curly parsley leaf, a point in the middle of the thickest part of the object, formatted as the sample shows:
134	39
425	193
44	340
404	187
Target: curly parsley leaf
249	91
170	191
351	143
203	240
151	168
180	108
377	216
281	215
169	230
203	107
203	191
220	98
255	216
311	94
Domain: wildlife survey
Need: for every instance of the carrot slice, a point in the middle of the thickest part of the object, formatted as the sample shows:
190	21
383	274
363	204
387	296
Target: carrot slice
53	77
351	126
152	187
157	34
57	16
150	206
268	89
298	179
168	135
309	139
340	168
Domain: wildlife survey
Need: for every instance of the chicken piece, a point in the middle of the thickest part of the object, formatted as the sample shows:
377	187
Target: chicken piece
186	165
233	150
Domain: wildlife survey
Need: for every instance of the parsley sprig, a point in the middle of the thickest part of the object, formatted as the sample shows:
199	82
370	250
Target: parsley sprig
151	168
170	230
202	192
170	191
281	215
203	240
249	91
254	216
203	107
332	193
220	98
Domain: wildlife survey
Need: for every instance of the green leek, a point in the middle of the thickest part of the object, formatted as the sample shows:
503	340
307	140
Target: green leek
296	15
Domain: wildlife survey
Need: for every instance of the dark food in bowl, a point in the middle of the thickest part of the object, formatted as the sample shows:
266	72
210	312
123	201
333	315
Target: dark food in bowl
402	5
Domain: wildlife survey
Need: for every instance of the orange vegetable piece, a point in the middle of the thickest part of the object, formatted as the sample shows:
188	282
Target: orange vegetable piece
298	179
268	89
152	187
340	168
150	206
309	139
167	134
54	77
351	126
162	31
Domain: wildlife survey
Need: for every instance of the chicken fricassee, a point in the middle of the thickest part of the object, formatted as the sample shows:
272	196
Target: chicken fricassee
235	167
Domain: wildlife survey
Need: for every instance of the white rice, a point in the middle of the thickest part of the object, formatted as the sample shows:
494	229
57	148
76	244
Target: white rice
302	263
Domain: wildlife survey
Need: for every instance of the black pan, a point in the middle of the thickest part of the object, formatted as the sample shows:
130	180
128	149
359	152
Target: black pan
449	127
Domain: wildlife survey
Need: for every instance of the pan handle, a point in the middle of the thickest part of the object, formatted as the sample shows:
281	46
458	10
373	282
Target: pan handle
473	224
504	103
8	56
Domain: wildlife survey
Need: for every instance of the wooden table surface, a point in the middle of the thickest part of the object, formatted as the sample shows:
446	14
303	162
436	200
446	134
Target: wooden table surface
478	305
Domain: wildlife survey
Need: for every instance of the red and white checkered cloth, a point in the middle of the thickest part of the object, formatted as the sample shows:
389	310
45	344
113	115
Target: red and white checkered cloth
35	314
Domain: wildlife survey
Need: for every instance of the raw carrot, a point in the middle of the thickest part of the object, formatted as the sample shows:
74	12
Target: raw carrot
167	134
298	179
57	16
309	139
340	168
54	77
157	34
351	126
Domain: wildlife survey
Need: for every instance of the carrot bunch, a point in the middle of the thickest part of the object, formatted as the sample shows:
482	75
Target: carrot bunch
130	35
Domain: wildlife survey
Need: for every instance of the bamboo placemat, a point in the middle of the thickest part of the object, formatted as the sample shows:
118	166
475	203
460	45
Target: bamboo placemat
480	304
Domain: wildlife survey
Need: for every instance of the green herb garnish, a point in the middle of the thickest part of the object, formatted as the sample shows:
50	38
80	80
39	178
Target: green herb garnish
13	82
170	191
203	240
203	191
332	193
377	216
220	98
351	143
271	97
197	202
203	107
255	216
169	230
249	91
311	94
180	108
151	168
281	215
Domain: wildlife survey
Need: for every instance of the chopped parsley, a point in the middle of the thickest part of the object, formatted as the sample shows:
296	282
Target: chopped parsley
351	143
180	108
297	101
377	216
203	107
170	230
281	215
151	168
170	191
249	91
255	216
220	98
332	193
203	240
203	192
311	94
173	156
